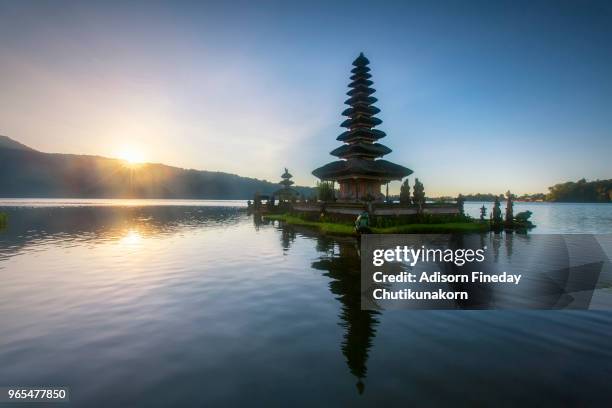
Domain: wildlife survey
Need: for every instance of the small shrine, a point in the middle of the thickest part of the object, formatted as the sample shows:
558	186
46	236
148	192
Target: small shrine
286	193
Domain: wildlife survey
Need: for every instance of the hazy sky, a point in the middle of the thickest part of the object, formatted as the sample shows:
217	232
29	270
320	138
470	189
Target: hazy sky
475	96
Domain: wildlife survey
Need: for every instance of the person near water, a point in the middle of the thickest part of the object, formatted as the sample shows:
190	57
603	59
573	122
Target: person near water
362	223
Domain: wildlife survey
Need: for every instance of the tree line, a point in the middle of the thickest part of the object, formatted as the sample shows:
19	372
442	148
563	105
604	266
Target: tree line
598	191
581	191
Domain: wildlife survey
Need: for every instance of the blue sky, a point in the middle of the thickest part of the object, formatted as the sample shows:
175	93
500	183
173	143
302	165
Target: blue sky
475	96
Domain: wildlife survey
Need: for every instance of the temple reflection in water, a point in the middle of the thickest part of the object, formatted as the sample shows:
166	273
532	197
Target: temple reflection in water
341	264
340	261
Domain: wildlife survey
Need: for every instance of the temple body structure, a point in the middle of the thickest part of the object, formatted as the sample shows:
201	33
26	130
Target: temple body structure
361	172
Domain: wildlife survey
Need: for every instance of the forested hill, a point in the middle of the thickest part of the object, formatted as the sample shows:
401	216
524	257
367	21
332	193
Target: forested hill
581	191
25	172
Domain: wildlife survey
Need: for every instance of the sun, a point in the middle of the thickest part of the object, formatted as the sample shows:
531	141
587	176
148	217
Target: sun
132	156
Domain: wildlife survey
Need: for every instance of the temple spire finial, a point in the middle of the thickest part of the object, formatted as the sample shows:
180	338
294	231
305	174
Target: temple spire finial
361	60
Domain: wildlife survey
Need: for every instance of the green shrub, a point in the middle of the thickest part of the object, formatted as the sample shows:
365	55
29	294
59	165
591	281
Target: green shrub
325	191
418	195
405	193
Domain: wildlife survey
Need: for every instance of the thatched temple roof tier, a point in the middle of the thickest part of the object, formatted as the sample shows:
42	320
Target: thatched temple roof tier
361	110
361	134
363	91
360	70
362	168
371	150
361	121
361	99
364	75
361	82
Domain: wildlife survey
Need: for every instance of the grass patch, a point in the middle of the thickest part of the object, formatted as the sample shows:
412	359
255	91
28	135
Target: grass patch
345	229
3	220
325	227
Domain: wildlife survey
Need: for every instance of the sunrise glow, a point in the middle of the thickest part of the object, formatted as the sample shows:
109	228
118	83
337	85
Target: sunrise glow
132	156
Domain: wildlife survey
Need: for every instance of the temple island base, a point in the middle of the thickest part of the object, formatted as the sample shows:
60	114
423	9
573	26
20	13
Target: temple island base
338	218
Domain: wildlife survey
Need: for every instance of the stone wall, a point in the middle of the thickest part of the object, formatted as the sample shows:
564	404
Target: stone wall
376	209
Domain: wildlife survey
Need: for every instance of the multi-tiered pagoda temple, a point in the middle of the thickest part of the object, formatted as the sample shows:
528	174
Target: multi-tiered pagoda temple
286	192
360	172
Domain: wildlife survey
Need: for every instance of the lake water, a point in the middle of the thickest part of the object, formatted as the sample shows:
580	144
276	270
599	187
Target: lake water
558	218
200	304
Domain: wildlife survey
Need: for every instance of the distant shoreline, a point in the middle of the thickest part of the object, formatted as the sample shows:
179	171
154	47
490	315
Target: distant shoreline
11	201
544	202
110	202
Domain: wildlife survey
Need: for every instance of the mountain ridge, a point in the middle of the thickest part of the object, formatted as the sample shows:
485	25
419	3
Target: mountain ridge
8	143
26	172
